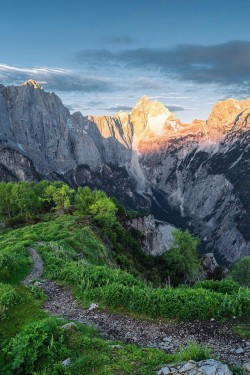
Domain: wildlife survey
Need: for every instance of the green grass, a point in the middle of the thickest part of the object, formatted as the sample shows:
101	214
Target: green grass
41	346
8	297
243	330
62	235
76	256
26	310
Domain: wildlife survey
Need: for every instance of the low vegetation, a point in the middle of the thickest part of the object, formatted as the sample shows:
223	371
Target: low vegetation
84	242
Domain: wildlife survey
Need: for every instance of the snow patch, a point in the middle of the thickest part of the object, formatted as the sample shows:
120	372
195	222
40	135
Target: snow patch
236	162
156	123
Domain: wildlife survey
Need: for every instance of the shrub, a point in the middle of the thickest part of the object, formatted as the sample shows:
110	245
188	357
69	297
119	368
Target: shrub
8	297
38	343
179	303
241	271
223	286
182	259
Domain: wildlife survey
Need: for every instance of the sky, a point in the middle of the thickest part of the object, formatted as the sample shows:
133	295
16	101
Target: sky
101	56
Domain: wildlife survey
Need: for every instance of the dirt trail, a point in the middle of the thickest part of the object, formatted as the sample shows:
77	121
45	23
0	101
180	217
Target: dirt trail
166	336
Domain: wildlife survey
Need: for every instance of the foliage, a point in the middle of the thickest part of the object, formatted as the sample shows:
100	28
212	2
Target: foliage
85	251
40	347
60	194
178	303
182	259
241	271
96	204
8	297
17	199
39	342
223	286
196	352
243	330
14	261
87	276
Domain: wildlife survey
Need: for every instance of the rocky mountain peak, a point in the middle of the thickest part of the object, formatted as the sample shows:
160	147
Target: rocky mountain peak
151	107
195	174
151	116
228	116
32	83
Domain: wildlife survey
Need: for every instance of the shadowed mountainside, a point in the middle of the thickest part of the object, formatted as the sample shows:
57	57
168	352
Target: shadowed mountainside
192	175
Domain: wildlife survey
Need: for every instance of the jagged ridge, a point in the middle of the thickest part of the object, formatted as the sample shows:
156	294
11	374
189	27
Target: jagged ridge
193	175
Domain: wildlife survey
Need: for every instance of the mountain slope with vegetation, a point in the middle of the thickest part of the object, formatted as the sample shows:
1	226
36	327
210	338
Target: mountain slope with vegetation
86	246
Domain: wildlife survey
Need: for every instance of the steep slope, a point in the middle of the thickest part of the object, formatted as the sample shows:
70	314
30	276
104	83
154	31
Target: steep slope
202	174
192	175
43	140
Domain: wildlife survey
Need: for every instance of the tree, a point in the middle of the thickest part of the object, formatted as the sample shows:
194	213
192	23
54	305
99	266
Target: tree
104	211
97	204
24	198
84	199
6	202
241	271
182	259
60	194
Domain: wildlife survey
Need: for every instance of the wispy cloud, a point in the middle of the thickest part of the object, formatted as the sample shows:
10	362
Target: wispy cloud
118	40
117	108
177	108
58	79
226	63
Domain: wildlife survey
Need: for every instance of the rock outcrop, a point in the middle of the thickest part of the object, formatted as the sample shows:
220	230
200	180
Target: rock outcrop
193	176
157	236
205	367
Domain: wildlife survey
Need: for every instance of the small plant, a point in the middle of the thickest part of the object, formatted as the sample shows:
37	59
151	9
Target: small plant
195	352
8	298
42	341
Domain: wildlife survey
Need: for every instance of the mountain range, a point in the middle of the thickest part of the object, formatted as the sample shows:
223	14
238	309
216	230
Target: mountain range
194	176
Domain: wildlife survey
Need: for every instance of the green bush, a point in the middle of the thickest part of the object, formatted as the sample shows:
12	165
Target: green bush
179	303
14	261
8	297
223	286
39	343
241	271
182	260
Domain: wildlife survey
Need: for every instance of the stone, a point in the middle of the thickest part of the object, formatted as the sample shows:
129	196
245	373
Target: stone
187	366
66	362
209	262
207	370
246	367
205	367
69	326
239	351
157	235
93	306
164	371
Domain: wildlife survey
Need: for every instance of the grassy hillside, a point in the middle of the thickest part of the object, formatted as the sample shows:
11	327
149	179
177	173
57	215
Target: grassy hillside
33	343
87	248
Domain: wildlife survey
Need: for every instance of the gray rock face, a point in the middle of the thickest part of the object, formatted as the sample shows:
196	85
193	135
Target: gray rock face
157	236
190	175
203	188
39	138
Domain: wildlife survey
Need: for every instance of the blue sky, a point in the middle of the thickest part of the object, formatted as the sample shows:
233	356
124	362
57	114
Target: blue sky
102	56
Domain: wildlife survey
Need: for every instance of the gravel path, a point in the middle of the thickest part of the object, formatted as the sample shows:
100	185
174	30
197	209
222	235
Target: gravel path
166	336
37	269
